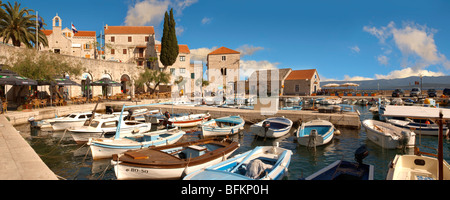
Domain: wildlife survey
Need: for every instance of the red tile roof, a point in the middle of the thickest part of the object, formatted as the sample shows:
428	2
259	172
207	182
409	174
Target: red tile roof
85	34
223	50
130	30
47	32
301	74
182	48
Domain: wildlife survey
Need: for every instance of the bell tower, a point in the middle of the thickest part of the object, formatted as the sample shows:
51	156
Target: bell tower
57	24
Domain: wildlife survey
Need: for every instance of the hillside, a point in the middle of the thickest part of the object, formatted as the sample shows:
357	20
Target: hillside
436	82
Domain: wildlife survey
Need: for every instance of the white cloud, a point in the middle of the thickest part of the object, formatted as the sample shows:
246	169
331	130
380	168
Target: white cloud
247	67
179	30
206	20
382	59
247	50
407	72
355	49
356	78
147	12
151	12
201	54
415	42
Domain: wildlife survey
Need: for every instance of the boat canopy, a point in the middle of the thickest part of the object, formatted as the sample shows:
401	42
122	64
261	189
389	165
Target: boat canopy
416	112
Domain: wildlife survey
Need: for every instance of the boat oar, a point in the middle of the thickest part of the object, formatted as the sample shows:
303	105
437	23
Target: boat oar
245	159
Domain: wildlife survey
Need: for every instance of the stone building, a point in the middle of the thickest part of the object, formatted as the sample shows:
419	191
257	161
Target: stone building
223	68
272	80
181	68
302	82
130	44
64	41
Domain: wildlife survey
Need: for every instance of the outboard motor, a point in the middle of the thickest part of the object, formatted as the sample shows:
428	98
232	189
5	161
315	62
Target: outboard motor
266	125
33	126
109	110
166	119
361	153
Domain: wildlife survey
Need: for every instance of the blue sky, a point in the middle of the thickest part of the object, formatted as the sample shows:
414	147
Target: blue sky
343	40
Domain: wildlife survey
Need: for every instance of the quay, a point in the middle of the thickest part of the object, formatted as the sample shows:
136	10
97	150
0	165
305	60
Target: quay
19	161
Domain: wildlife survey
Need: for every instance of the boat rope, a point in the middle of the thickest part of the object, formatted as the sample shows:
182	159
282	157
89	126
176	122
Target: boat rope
56	146
103	173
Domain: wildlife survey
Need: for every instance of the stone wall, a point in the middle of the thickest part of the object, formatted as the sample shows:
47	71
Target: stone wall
95	68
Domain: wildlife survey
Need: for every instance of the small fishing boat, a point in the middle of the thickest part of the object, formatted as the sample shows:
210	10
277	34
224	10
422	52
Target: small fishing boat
223	126
389	136
172	161
292	108
106	126
273	127
416	167
331	101
261	163
315	133
188	120
72	120
423	127
346	170
106	147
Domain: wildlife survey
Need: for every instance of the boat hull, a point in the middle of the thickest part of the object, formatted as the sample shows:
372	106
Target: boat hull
414	167
387	135
429	130
272	132
105	148
127	172
63	125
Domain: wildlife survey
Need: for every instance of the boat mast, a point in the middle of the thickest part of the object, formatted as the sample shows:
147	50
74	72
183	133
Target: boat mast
440	147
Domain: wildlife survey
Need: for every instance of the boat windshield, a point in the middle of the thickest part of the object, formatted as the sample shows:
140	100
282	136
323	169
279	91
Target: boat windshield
72	116
93	124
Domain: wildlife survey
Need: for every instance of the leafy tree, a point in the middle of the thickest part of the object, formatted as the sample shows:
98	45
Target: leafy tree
42	65
19	26
149	77
169	43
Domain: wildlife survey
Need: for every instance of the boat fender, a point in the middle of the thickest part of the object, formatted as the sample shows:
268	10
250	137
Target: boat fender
337	132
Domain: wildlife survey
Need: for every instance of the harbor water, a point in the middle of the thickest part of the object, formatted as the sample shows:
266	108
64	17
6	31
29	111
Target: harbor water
71	161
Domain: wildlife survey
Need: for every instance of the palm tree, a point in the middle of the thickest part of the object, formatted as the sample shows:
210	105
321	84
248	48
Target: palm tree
19	26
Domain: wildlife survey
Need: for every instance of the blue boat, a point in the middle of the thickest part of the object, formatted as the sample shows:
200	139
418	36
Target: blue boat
261	163
315	133
292	108
273	127
346	170
223	126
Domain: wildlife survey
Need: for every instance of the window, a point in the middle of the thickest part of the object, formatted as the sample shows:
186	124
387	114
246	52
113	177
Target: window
223	71
113	51
58	51
130	39
182	58
140	63
224	58
297	88
87	46
182	70
172	71
124	51
113	39
146	38
192	75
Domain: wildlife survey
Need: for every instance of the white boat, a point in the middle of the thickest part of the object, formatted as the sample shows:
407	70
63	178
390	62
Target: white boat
389	136
416	167
223	126
172	161
273	127
72	120
331	101
189	120
427	128
106	147
315	133
261	163
105	127
397	101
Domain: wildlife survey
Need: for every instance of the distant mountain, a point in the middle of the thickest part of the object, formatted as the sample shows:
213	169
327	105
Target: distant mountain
436	82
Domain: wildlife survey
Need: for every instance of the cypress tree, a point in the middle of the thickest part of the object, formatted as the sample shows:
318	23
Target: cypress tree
169	43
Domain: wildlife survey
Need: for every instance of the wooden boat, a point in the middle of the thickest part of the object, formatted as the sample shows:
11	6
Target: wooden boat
261	163
423	127
72	120
106	127
346	170
106	147
189	120
315	133
223	126
172	161
389	136
273	127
